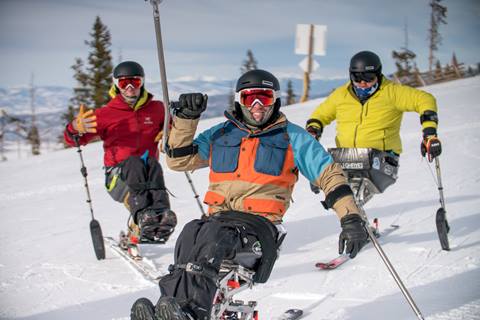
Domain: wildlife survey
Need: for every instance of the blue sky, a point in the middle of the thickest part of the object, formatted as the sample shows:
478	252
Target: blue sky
209	38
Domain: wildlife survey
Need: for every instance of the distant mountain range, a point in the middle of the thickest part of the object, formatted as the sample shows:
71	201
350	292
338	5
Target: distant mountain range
51	101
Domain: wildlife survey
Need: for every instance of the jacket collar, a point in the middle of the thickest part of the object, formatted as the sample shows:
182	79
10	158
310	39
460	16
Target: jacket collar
120	102
281	122
349	88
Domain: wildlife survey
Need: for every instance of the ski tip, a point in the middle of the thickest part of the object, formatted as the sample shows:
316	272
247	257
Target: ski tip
295	311
291	314
324	266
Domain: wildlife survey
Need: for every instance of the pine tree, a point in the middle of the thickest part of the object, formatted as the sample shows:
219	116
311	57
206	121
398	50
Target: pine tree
404	62
93	81
438	70
81	92
250	63
290	94
99	64
470	71
454	60
438	16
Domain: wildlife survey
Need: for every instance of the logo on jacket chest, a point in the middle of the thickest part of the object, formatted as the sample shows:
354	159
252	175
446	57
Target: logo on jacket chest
148	120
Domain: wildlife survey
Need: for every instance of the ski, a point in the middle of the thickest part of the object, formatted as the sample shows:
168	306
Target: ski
291	314
341	259
442	228
145	269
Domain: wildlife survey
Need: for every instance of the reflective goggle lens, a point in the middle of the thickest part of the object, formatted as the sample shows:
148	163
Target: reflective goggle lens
363	76
123	83
248	97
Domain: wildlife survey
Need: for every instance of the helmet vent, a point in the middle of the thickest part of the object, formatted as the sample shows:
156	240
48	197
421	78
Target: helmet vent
267	83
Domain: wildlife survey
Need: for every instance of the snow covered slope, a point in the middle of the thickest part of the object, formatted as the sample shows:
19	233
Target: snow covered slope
48	269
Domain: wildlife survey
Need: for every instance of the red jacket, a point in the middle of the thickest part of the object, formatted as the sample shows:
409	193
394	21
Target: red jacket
124	132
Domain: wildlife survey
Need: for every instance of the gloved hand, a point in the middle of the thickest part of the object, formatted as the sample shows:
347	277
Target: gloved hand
353	235
191	105
314	188
430	147
85	122
315	132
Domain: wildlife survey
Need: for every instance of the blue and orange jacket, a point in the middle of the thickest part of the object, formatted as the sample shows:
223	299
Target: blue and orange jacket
254	171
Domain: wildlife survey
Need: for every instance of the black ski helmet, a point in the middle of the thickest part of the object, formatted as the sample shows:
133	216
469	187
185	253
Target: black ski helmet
258	79
366	61
128	69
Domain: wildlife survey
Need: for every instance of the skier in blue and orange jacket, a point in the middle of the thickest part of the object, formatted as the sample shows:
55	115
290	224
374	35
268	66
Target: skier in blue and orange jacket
254	159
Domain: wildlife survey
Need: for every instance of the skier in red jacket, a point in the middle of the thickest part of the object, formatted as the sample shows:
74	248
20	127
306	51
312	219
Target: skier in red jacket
130	126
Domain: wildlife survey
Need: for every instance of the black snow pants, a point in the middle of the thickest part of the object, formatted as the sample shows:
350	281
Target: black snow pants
205	243
140	181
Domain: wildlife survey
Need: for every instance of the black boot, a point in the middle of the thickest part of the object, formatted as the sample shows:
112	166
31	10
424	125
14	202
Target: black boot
167	308
142	309
156	226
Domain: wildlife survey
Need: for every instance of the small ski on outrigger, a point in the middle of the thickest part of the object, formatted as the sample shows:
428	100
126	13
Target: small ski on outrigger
142	265
291	314
443	228
341	259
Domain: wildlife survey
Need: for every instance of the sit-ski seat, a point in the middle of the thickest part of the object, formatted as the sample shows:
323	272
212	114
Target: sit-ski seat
369	171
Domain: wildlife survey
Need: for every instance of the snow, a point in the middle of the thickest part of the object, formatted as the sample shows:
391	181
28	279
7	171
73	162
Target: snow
48	269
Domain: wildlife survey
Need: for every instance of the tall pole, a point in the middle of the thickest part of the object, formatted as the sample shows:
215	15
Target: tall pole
163	72
3	119
95	229
166	100
33	135
32	99
390	267
306	74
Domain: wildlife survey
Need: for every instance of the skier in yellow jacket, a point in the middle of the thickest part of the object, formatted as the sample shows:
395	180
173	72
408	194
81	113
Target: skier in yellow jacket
369	110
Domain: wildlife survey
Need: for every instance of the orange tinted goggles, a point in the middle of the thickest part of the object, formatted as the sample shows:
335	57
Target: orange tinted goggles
248	97
123	83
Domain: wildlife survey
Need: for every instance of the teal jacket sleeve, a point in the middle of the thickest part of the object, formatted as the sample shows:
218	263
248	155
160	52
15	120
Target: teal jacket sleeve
309	155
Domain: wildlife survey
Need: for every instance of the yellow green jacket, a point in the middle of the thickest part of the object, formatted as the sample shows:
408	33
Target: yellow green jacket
376	123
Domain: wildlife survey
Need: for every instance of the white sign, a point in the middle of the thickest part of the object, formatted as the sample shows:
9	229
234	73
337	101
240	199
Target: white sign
302	39
304	65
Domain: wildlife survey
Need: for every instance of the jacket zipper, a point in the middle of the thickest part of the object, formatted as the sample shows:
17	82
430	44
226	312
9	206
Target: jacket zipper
356	127
138	130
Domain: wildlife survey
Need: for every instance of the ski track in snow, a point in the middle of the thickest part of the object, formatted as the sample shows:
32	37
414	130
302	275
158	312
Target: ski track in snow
469	311
48	269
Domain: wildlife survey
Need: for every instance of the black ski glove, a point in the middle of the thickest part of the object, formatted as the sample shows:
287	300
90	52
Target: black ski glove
190	105
431	147
315	132
315	128
353	235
